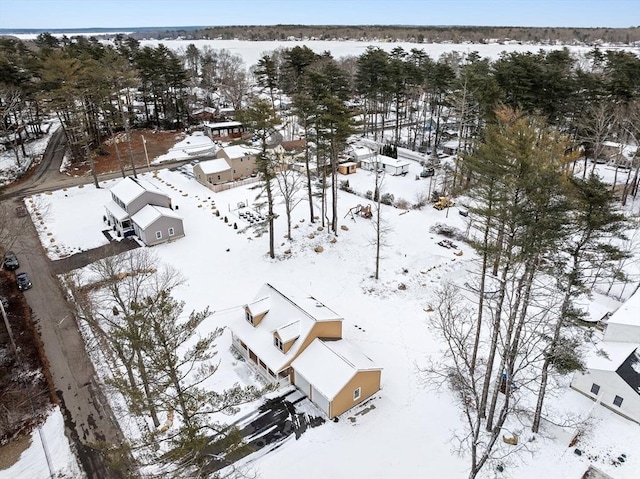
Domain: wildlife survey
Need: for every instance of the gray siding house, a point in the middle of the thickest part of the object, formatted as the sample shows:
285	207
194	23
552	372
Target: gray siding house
155	224
137	207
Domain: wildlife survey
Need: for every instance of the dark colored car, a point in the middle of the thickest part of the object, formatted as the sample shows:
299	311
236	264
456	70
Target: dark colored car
10	260
427	172
23	281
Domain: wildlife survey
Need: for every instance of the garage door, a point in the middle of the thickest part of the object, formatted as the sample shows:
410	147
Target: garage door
320	401
302	384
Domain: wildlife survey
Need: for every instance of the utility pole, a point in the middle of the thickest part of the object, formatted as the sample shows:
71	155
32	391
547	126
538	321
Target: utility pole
146	155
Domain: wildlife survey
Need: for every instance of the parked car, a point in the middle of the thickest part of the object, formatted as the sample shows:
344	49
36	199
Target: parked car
23	281
10	260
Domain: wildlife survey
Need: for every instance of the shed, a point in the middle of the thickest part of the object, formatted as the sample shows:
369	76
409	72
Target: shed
335	375
347	168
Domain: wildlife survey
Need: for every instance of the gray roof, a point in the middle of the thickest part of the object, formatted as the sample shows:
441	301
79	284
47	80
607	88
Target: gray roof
629	371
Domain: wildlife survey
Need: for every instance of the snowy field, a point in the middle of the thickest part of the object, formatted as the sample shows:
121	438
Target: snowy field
408	434
409	431
251	52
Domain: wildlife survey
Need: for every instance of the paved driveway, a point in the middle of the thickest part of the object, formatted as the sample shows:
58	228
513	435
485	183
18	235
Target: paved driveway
290	413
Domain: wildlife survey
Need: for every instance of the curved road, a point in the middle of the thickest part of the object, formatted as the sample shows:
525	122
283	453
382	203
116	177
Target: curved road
89	420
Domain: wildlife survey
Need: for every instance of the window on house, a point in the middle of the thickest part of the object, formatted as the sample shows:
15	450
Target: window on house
277	343
218	176
356	394
172	232
234	172
158	234
595	389
617	401
249	316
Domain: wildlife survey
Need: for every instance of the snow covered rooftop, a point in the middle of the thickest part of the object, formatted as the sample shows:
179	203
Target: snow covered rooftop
223	124
628	313
362	151
217	165
387	160
150	213
131	188
289	332
115	210
238	151
330	365
288	306
609	355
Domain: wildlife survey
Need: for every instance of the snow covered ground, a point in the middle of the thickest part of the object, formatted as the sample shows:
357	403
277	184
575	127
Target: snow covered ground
34	462
408	432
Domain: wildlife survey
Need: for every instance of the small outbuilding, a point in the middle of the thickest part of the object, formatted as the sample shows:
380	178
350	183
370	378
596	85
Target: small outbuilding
347	167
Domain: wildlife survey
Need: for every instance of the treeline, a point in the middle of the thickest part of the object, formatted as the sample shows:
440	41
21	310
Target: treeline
98	89
419	34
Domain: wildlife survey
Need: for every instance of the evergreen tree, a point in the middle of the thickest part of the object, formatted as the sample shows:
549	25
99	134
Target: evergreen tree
260	118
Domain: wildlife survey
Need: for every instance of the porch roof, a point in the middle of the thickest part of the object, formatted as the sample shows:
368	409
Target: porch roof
116	211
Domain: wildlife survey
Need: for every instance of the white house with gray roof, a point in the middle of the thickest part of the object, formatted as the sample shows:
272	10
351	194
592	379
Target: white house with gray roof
139	208
612	375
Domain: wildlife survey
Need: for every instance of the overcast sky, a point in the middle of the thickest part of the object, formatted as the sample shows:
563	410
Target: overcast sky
146	13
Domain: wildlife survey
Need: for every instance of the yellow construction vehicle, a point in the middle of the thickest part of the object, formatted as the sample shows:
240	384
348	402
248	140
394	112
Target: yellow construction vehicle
442	203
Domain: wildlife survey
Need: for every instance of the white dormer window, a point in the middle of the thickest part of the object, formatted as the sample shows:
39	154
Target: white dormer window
278	343
248	315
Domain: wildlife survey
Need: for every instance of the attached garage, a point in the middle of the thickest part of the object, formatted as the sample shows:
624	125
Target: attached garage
301	383
322	402
335	376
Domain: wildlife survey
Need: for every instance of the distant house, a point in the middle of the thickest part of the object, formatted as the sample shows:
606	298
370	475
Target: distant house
291	337
204	114
225	129
450	147
139	208
290	152
618	154
392	166
359	153
612	377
